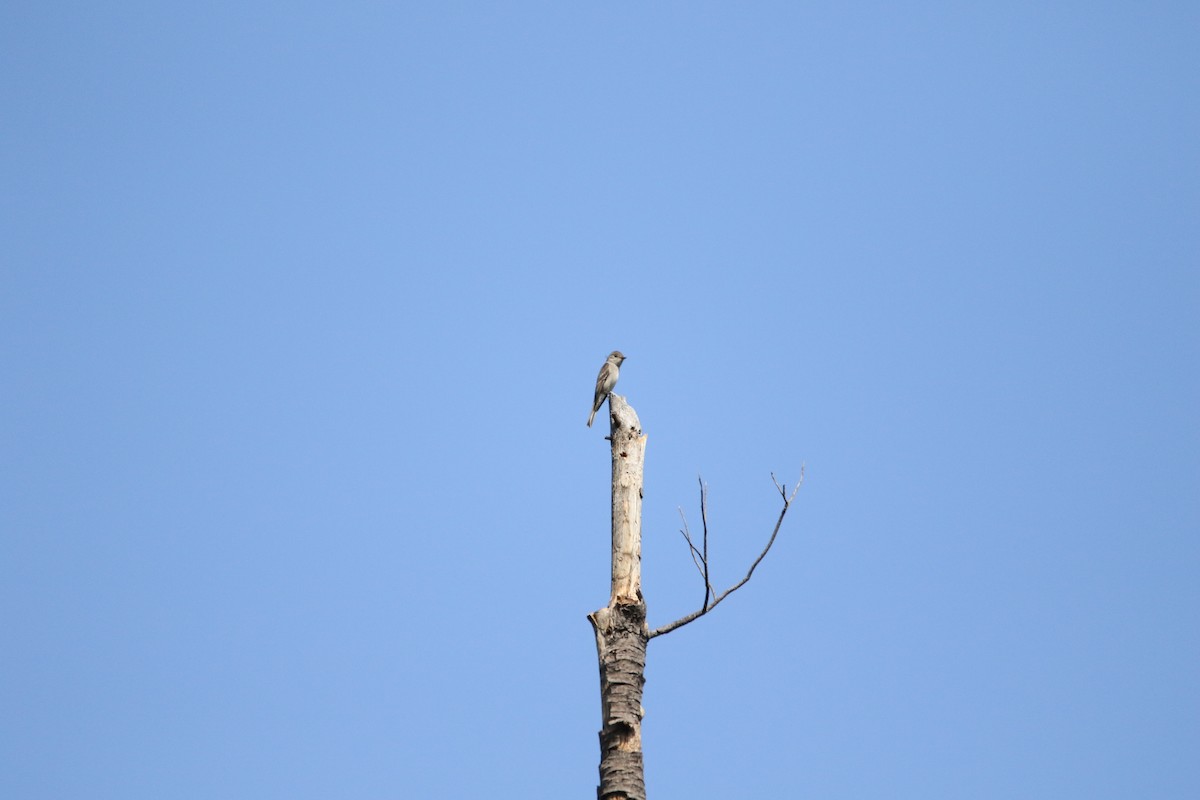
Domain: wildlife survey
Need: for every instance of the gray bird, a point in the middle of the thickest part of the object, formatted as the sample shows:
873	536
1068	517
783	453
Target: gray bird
606	380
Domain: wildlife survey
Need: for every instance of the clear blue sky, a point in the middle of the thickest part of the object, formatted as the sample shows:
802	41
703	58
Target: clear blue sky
300	313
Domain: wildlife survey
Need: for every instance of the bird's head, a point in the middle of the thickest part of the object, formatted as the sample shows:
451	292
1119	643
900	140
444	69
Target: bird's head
617	357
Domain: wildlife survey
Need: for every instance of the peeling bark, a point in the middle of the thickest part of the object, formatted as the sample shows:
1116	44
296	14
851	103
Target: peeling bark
621	647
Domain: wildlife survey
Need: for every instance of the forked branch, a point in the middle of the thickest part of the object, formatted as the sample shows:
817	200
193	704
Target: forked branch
700	555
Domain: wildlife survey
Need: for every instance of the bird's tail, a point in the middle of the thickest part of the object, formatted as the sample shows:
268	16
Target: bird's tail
592	417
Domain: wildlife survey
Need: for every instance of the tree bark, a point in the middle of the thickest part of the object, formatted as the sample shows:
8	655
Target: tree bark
620	627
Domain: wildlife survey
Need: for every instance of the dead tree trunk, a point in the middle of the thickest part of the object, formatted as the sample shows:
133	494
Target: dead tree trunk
621	630
620	627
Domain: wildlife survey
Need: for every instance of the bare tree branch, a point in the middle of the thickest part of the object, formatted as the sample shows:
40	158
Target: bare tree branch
704	609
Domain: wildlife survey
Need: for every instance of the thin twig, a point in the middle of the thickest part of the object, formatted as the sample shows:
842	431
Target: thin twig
697	558
787	503
687	536
704	518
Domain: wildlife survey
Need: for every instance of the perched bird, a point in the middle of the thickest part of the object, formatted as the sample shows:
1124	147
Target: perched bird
606	380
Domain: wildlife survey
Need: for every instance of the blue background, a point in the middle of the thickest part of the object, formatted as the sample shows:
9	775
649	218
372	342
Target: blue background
301	309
